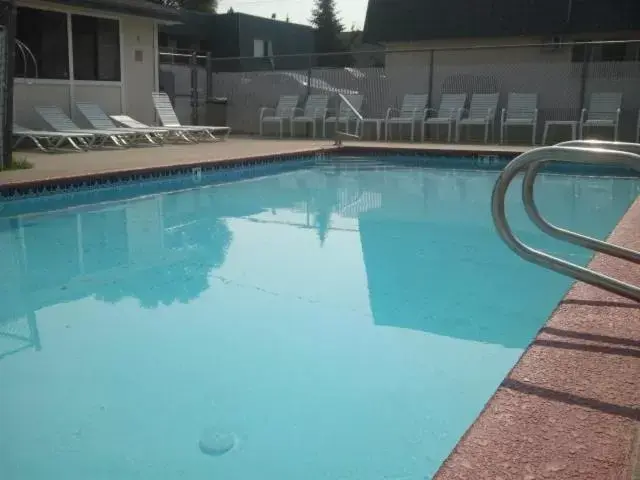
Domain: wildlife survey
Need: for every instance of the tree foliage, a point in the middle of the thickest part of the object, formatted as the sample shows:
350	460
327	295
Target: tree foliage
328	27
197	5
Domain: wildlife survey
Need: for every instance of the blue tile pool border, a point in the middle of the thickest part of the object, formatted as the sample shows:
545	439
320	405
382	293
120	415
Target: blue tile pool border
226	170
161	178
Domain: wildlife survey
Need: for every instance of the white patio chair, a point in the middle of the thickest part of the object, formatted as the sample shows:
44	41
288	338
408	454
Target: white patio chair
315	110
58	120
521	111
47	141
168	118
482	112
283	111
412	111
101	121
451	108
345	115
604	111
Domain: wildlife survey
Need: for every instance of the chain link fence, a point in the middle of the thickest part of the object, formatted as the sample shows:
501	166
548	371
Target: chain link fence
564	75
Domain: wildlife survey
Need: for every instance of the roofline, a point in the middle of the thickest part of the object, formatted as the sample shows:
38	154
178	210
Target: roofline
155	12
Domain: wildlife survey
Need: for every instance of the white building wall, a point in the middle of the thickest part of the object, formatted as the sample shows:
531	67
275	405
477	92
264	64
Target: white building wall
131	95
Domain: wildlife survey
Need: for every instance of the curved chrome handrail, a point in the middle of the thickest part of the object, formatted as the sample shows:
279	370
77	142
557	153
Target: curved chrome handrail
573	154
339	135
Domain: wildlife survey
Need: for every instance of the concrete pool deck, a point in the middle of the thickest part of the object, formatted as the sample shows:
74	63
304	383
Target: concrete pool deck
569	409
73	164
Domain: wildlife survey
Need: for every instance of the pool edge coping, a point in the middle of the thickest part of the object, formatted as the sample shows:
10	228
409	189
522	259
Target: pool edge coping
475	456
233	160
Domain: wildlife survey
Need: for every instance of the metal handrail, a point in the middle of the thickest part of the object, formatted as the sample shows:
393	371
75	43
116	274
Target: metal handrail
532	161
339	134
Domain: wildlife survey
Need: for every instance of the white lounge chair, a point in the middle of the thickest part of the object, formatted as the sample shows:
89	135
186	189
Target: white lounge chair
168	118
129	122
284	111
101	121
451	108
58	120
412	111
315	110
604	111
345	115
482	111
47	140
521	111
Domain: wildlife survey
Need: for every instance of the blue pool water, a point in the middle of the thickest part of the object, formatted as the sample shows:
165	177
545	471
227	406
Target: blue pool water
329	322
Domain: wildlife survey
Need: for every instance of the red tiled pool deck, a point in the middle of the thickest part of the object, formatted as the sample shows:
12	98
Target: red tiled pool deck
569	409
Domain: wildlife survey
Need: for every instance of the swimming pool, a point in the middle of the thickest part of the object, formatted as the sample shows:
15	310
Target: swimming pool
334	320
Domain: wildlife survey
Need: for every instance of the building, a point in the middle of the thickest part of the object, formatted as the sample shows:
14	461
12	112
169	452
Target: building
257	40
103	51
464	23
468	46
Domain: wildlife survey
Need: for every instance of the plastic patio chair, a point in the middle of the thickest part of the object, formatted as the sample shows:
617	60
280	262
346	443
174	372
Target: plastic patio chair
413	110
522	110
482	112
451	108
283	112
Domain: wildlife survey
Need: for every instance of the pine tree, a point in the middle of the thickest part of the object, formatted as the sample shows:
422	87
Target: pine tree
328	27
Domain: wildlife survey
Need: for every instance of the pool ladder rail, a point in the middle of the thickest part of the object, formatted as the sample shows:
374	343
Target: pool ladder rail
530	162
339	135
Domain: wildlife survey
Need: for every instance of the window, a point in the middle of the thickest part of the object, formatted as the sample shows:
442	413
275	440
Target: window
45	34
96	48
262	48
603	52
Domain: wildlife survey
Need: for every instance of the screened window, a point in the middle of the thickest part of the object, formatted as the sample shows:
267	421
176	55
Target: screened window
96	48
44	33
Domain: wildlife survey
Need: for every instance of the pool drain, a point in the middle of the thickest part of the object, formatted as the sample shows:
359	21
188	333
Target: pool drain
215	443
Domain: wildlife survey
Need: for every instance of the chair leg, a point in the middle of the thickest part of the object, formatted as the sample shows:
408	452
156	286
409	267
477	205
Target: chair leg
503	127
615	133
486	133
533	135
545	132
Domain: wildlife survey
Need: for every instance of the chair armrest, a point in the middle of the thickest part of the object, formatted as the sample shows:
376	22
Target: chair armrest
295	111
390	110
535	116
490	115
320	113
583	115
264	110
427	111
618	111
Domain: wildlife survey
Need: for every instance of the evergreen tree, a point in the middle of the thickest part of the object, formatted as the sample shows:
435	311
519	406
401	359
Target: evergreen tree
328	28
